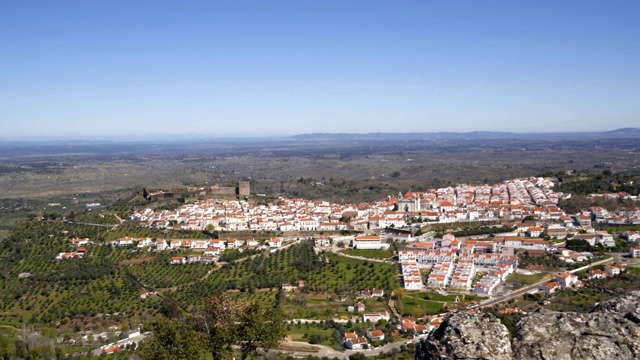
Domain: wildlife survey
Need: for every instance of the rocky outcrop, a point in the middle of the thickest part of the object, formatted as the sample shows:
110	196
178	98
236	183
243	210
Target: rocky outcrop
467	336
610	331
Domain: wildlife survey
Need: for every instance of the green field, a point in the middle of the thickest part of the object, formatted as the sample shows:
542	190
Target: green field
520	280
445	298
108	279
414	306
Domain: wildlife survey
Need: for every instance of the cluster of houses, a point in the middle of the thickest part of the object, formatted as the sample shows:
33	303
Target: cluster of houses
515	198
211	249
634	238
80	245
570	280
569	256
291	287
410	272
207	251
454	262
409	326
617	217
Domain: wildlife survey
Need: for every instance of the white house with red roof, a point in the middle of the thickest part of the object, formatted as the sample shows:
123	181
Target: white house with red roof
275	242
356	344
79	241
375	317
567	279
375	335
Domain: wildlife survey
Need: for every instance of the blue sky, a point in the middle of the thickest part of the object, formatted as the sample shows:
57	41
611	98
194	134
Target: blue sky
70	69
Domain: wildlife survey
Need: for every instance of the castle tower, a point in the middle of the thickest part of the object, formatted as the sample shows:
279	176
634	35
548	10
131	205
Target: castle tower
244	188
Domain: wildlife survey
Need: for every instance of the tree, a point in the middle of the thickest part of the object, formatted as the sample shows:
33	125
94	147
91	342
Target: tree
399	293
173	340
230	323
259	327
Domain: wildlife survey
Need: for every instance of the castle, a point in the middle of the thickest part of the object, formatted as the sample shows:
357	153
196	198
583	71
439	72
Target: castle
242	189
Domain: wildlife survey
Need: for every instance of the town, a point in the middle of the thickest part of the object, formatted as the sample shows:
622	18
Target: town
524	215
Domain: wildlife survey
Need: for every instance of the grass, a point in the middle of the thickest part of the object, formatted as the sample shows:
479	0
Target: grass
522	279
446	298
302	333
418	307
371	254
298	347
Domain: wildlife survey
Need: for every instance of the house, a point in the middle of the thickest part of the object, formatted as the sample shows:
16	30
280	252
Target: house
210	251
534	231
512	311
112	349
234	243
178	260
612	270
355	344
634	252
369	242
217	244
632	236
350	336
275	242
605	239
551	287
199	244
434	323
322	242
161	244
79	241
420	329
142	242
596	274
583	220
69	255
375	335
360	307
287	287
567	279
206	259
375	317
406	325
125	241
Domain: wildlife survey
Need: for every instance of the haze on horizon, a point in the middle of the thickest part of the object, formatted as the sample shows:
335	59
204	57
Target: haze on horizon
71	69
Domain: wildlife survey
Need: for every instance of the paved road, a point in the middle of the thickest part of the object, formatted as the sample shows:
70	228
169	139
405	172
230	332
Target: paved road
91	224
324	350
526	289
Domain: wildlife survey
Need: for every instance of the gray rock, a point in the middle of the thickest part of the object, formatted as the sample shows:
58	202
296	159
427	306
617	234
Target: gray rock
610	331
467	336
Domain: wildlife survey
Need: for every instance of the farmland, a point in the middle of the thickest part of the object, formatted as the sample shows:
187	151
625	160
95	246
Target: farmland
108	279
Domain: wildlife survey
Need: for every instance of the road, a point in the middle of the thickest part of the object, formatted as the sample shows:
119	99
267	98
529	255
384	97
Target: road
526	289
327	351
91	224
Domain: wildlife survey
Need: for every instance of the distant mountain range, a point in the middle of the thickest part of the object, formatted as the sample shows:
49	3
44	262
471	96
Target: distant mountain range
225	142
473	135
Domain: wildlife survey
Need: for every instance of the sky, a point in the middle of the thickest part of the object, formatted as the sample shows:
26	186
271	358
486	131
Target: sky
110	69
